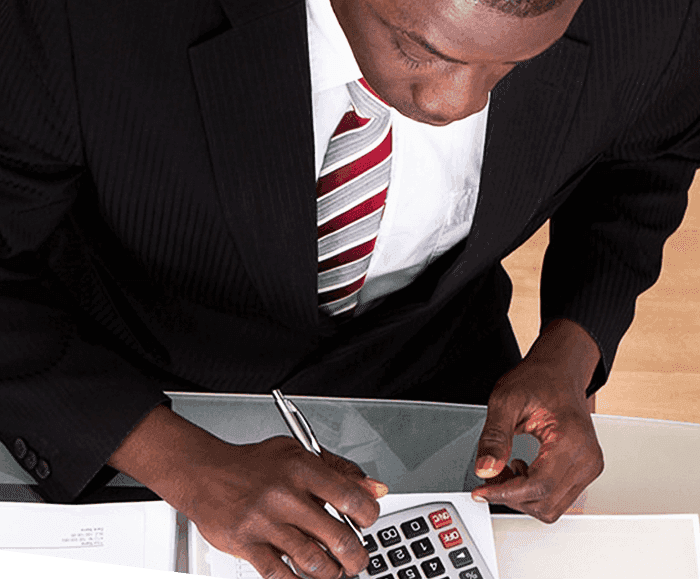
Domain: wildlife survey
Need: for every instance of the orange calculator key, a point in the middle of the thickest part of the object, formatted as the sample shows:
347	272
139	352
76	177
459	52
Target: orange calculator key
440	519
450	538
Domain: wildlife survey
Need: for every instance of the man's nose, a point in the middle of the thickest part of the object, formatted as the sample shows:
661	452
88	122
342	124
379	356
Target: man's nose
443	100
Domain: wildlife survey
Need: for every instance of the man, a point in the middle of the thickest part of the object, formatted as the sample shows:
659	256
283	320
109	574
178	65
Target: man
159	232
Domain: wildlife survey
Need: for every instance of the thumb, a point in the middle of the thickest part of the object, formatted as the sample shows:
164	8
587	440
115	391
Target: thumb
495	443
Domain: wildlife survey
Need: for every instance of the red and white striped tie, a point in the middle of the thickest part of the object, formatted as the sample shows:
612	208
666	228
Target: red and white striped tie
351	194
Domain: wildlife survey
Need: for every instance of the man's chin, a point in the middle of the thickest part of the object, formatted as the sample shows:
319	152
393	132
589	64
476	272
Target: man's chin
421	117
434	120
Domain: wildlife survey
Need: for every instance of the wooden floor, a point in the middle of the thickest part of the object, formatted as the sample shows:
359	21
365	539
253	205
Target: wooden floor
657	370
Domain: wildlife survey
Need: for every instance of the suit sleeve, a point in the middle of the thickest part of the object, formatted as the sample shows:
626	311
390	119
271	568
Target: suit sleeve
66	400
606	240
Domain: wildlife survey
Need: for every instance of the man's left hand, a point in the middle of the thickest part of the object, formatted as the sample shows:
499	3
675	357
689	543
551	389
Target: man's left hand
544	396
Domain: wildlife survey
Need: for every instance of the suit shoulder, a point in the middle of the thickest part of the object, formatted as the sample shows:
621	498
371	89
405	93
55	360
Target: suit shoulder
632	36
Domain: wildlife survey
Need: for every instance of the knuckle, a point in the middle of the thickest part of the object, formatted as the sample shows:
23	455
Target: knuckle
271	495
363	510
376	510
313	560
268	569
545	514
352	503
594	467
541	490
550	518
493	436
354	569
345	543
599	464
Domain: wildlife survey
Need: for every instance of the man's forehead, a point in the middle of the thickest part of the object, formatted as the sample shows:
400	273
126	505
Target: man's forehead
457	25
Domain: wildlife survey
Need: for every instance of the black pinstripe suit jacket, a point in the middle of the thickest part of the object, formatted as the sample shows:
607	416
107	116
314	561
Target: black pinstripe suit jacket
157	220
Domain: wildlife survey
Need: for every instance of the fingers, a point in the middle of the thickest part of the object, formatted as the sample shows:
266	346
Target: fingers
309	557
263	500
309	525
344	486
268	563
352	498
546	488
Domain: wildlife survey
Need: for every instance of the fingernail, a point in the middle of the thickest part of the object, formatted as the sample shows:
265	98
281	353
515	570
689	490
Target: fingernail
486	467
480	499
376	488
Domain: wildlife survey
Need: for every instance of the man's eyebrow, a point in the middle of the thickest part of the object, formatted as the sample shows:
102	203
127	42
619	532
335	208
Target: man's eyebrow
418	39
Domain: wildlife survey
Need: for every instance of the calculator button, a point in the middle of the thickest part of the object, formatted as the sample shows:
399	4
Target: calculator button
371	545
471	573
440	519
387	576
432	568
389	536
461	558
399	556
377	565
422	548
410	572
415	527
450	538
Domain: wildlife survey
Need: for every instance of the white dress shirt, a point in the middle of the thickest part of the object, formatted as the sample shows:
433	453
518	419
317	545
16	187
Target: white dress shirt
435	171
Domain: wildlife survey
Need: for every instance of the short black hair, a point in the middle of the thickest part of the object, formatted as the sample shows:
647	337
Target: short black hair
521	8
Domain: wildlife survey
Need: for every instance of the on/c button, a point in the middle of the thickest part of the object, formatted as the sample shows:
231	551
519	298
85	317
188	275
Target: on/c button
440	518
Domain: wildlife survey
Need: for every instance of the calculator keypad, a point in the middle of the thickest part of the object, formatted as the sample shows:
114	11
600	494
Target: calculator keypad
427	541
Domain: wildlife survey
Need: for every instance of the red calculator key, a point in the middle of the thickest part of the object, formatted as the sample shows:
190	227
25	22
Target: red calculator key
440	519
450	538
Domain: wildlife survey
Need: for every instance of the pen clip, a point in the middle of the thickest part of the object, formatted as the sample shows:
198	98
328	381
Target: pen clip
304	424
297	423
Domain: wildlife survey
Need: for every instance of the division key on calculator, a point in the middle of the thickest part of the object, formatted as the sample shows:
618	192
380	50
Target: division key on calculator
425	541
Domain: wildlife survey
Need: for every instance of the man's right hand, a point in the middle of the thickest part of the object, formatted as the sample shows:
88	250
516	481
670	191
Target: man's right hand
256	501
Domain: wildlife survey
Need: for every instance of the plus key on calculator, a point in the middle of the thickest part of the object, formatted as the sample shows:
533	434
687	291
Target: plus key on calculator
426	541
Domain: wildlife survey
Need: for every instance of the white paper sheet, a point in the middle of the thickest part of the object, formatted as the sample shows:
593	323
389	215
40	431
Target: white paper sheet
599	546
139	534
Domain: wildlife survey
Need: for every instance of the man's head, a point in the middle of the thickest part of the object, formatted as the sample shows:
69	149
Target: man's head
436	60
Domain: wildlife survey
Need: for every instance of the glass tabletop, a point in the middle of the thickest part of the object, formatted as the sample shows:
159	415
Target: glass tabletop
387	439
431	447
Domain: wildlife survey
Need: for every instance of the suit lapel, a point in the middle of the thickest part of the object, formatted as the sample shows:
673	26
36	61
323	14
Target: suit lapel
254	86
530	114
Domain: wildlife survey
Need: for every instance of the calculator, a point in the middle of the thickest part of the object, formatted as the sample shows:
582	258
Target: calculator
425	541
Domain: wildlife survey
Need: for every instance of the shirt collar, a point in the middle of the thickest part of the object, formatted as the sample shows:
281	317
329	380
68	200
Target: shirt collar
330	56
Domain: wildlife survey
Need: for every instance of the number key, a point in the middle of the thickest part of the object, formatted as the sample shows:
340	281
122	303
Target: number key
399	556
377	565
410	572
389	536
432	568
415	527
422	548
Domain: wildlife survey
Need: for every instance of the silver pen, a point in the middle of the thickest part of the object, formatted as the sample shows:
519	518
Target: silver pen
303	433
